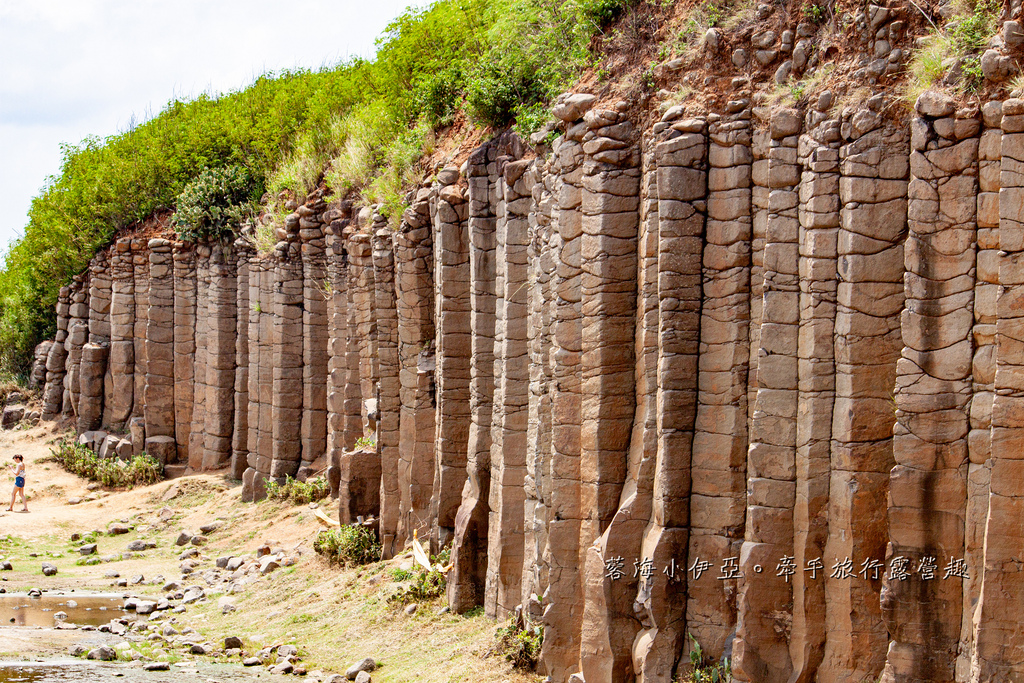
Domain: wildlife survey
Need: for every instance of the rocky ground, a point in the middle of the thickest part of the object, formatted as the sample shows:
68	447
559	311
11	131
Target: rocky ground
209	581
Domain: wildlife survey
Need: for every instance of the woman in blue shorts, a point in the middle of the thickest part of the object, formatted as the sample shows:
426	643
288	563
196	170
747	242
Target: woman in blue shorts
18	468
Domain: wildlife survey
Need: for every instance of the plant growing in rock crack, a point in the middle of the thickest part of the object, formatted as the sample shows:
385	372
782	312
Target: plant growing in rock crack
520	642
704	669
216	203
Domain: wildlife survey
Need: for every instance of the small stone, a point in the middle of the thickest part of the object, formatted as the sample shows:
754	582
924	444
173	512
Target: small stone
226	605
198	649
268	564
49	569
156	666
362	677
183	538
251	661
232	642
222	562
199	540
411	609
139	545
210	527
88	549
77	650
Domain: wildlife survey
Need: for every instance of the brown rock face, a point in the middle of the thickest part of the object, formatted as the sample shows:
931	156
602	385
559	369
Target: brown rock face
750	381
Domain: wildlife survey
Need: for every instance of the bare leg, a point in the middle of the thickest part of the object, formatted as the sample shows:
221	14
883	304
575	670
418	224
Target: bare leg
24	501
14	493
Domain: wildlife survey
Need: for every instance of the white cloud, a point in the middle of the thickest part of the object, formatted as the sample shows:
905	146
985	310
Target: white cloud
73	68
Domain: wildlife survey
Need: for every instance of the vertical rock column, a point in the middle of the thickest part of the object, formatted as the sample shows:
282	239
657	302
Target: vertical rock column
388	395
452	351
240	435
467	579
610	223
681	158
286	361
759	194
563	614
933	393
140	261
538	434
259	439
983	372
184	343
122	331
78	336
159	392
197	428
53	393
819	231
220	356
315	295
99	333
719	464
337	347
414	296
998	648
508	448
764	606
363	323
870	265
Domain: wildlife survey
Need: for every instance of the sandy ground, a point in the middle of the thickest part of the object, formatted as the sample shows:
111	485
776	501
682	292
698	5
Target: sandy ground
334	615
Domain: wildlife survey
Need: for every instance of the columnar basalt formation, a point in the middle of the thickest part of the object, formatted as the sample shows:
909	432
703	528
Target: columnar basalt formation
751	376
122	336
414	289
452	350
315	292
184	344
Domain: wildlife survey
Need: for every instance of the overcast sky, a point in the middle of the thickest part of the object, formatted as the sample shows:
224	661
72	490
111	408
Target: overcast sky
74	68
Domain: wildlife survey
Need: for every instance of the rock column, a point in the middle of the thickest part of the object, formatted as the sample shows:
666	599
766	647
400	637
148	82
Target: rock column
452	352
286	361
240	435
870	266
388	401
122	331
315	295
468	577
184	343
220	357
159	392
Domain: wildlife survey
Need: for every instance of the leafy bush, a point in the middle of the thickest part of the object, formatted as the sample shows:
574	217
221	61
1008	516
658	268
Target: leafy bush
359	124
140	470
520	642
348	545
216	203
425	585
299	492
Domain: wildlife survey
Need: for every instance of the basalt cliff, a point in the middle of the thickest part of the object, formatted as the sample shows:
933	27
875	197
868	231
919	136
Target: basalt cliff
754	377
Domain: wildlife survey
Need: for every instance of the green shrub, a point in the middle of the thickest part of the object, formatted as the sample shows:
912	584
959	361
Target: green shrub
438	96
425	586
140	470
348	545
520	643
366	442
216	203
299	492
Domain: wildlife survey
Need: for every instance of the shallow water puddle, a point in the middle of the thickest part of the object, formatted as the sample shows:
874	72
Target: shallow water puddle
73	671
84	609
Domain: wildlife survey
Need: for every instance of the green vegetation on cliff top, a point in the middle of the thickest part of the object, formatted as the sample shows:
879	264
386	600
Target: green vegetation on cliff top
364	122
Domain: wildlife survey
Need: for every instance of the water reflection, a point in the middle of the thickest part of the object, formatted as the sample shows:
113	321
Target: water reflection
90	609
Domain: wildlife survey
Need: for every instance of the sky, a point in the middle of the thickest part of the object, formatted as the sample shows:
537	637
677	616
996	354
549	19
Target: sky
76	68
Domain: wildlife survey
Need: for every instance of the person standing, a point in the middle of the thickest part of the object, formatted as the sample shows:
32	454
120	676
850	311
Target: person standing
18	468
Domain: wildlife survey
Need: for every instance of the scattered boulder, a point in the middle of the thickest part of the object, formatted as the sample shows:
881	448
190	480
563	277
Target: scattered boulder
226	604
184	537
268	564
210	527
139	545
935	104
163	448
363	665
87	549
118	529
156	666
198	540
145	607
77	650
12	415
362	677
232	643
199	649
103	653
251	661
572	107
234	564
49	569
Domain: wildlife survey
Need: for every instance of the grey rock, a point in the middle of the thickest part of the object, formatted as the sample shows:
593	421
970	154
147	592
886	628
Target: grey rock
49	569
363	665
156	666
103	653
233	642
88	549
184	537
